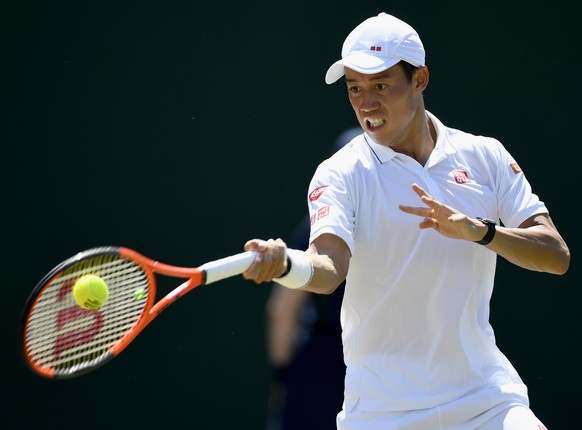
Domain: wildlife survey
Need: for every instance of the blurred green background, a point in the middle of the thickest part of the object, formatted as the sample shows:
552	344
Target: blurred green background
182	130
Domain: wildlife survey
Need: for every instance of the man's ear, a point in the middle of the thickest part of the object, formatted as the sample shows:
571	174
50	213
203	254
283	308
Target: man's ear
421	78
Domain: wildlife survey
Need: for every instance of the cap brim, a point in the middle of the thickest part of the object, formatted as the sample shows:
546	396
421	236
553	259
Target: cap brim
360	62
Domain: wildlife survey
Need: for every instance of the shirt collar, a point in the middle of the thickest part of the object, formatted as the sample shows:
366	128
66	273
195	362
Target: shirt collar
441	150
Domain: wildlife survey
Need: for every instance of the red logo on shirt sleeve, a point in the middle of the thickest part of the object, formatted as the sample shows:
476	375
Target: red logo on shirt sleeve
312	219
315	194
515	167
323	212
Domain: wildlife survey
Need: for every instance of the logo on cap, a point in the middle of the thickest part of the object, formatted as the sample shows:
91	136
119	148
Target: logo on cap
375	48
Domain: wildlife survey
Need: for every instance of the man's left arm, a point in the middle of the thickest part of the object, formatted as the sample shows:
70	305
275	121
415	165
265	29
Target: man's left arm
535	245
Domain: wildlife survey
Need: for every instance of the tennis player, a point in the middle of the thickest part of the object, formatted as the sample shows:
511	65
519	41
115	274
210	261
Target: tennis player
414	214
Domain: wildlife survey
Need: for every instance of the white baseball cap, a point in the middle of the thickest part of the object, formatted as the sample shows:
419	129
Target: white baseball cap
377	44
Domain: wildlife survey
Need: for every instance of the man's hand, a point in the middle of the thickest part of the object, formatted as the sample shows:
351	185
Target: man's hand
270	262
446	220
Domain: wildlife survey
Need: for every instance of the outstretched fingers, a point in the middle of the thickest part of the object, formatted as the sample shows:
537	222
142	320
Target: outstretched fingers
421	211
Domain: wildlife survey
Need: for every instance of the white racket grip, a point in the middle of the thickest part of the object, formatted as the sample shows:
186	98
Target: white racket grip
228	266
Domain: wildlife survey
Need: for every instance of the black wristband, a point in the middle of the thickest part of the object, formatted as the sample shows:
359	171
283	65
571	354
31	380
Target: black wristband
288	268
490	231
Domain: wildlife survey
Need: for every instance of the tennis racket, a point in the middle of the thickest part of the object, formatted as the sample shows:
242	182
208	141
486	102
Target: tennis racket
60	339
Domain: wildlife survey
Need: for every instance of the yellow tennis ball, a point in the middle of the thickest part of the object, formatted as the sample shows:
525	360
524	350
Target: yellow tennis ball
90	292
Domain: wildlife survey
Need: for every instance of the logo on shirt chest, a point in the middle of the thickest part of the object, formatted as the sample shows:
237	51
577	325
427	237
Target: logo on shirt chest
460	176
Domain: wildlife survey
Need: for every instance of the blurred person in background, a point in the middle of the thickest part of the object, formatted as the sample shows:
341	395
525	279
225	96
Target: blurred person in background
304	347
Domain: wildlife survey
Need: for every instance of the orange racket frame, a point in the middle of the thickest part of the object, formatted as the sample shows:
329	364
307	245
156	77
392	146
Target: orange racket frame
60	340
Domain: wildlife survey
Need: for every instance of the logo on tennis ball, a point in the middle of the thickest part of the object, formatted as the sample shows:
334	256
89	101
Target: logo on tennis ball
90	292
139	294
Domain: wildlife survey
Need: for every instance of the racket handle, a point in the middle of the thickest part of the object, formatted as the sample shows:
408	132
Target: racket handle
228	266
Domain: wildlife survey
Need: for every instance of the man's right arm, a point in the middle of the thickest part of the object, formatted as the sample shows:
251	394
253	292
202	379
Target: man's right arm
329	257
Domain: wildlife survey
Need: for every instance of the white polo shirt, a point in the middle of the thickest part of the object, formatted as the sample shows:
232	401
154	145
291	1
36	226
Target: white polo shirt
415	314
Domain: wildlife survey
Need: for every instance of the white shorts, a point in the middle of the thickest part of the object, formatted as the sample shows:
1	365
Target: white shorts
466	413
516	417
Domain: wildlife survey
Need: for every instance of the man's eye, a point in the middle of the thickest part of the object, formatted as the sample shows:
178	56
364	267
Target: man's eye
380	86
354	89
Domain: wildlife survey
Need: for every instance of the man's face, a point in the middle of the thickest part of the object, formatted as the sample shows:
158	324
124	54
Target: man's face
385	103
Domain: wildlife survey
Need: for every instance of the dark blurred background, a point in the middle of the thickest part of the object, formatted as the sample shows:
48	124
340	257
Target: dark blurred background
183	130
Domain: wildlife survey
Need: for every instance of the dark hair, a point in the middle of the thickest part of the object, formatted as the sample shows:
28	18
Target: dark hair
408	69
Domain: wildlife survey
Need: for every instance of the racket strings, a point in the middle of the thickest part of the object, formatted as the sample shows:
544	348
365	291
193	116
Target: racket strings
62	336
